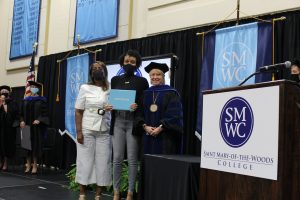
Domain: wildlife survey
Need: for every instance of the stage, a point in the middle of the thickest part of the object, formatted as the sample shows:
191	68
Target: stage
177	177
51	184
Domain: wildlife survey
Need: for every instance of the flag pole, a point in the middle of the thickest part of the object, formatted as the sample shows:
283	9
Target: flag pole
33	56
238	12
34	47
78	44
31	71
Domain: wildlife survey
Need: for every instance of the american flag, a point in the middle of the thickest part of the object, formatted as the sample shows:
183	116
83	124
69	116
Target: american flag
30	75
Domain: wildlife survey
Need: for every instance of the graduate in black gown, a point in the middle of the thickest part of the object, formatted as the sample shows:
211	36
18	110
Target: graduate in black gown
8	123
162	118
34	114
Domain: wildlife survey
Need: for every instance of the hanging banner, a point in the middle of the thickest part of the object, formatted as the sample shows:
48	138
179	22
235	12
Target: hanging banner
96	20
77	74
231	55
235	55
25	27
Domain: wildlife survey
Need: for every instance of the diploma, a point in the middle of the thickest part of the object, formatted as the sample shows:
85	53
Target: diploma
121	99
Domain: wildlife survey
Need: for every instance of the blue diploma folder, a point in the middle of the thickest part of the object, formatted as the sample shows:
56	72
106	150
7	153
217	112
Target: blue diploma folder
121	99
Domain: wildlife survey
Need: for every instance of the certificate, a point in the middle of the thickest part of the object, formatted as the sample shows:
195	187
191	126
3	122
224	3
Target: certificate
121	99
25	138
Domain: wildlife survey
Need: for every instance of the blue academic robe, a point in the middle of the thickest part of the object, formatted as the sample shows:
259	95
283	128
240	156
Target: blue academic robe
169	114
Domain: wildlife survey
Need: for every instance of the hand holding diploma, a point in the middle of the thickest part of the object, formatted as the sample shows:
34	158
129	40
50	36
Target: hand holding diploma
108	107
133	106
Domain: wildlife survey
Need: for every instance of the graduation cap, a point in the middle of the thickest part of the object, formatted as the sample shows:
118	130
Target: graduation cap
153	65
37	84
5	87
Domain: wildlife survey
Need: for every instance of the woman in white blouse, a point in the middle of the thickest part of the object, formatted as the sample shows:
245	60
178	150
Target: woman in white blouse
92	126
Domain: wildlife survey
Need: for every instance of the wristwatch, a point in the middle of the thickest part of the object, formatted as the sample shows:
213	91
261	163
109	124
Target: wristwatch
101	111
161	126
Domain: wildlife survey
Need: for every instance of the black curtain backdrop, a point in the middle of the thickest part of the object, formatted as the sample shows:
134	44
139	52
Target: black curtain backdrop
187	46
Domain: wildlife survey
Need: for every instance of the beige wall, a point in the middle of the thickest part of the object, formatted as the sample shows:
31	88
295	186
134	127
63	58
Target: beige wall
149	17
57	22
159	16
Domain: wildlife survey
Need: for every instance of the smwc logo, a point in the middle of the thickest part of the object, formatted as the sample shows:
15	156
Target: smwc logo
236	122
233	64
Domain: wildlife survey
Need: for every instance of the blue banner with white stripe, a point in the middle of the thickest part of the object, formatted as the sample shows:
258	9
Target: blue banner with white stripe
231	55
96	20
77	74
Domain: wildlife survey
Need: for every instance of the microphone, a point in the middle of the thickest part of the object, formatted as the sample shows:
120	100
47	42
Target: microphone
285	65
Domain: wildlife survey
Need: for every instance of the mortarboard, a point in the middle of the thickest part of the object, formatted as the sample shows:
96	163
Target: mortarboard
153	65
37	84
5	87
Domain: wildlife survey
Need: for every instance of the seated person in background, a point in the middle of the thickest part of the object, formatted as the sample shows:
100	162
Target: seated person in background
295	71
9	120
162	118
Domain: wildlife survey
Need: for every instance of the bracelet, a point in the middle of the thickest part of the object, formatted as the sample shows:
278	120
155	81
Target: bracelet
161	126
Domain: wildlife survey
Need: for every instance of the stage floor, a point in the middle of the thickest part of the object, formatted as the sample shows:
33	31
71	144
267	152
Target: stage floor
52	184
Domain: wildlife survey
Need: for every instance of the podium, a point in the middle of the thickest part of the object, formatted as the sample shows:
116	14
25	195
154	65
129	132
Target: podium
269	153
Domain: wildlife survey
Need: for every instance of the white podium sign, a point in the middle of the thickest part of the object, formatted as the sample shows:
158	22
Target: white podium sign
240	132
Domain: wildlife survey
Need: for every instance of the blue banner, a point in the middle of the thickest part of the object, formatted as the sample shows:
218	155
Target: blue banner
231	55
77	74
235	55
25	27
96	20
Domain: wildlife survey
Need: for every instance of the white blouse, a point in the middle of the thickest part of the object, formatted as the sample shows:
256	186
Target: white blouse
91	98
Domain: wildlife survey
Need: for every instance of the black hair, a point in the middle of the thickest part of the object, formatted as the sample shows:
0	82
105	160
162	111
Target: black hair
296	62
132	53
104	83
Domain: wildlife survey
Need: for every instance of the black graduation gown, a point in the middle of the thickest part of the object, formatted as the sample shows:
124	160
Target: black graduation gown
9	121
169	114
35	108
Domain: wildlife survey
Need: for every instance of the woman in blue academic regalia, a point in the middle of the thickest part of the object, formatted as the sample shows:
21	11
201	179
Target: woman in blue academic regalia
162	119
34	114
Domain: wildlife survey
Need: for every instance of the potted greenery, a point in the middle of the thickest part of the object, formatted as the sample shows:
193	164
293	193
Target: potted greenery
123	186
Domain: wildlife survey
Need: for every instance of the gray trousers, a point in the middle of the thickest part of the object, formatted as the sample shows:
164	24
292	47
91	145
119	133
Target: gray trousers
121	139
